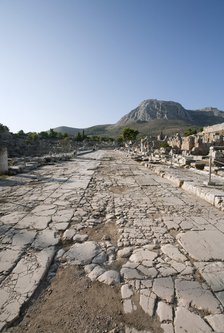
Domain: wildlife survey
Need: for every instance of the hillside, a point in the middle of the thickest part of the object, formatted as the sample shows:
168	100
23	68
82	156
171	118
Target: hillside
153	109
153	116
93	130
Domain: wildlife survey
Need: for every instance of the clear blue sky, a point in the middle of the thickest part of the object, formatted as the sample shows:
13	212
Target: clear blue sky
80	63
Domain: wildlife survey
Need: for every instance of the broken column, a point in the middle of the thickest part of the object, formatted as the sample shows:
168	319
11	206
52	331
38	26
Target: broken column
3	160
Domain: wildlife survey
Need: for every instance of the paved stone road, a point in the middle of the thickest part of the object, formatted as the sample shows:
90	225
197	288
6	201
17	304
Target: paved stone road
170	250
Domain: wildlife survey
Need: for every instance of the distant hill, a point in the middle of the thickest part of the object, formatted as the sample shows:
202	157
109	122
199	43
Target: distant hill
68	130
153	116
94	130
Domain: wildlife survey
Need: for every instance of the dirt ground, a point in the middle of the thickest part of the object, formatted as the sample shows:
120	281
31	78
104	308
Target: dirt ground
72	303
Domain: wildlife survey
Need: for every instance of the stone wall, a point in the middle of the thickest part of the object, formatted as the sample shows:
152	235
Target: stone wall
188	143
214	129
18	147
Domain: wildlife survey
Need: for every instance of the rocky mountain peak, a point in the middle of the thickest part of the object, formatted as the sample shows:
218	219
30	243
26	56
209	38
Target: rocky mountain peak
156	109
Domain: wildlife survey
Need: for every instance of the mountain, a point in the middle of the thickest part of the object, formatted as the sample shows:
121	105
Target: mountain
153	116
152	109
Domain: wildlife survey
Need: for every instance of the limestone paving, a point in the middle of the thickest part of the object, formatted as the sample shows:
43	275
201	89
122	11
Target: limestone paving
160	243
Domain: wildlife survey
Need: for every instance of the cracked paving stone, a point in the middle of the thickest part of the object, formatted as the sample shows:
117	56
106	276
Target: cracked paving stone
189	322
195	243
216	322
164	288
84	253
34	222
147	301
165	312
191	293
19	286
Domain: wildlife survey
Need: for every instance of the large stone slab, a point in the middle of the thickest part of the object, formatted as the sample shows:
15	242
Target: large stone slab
44	210
203	245
34	222
189	322
83	254
63	215
213	273
173	252
146	180
12	218
147	301
8	259
142	254
22	238
165	312
45	239
20	285
164	288
130	273
191	293
216	322
110	277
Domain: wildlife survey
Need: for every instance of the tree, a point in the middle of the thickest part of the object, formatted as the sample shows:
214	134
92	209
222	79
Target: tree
44	135
190	131
79	136
129	134
164	144
20	133
52	134
4	128
32	136
120	139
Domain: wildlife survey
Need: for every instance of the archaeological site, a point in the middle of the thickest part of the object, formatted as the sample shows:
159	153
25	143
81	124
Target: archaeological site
111	236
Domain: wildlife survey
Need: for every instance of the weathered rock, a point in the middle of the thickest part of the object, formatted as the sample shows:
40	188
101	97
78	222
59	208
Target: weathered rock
126	291
191	293
21	284
63	215
96	272
213	273
195	243
128	306
45	239
142	254
173	252
83	254
147	301
109	277
216	322
189	322
124	253
167	328
80	238
165	312
68	234
130	273
164	288
34	222
100	258
150	272
44	210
